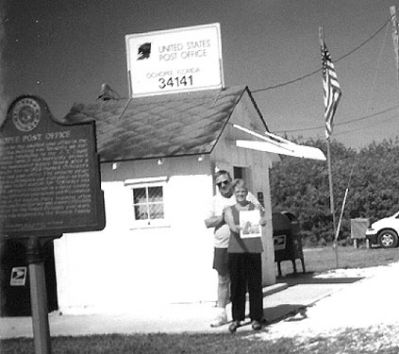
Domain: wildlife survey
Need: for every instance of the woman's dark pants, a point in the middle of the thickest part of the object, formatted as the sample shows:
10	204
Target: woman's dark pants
246	274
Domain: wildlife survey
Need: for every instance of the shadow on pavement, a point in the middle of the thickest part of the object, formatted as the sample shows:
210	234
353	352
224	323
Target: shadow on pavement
309	278
295	312
302	291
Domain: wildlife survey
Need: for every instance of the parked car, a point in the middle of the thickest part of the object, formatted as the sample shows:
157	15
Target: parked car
384	232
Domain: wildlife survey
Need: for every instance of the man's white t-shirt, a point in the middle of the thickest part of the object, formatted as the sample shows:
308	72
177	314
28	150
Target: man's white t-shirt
222	234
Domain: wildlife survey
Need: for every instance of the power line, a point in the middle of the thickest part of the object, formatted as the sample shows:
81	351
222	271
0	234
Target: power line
341	123
318	70
373	85
368	126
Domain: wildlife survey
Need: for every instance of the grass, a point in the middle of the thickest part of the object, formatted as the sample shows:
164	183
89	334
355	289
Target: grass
350	341
324	259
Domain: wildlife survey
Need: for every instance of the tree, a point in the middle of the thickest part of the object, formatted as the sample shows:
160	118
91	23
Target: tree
301	186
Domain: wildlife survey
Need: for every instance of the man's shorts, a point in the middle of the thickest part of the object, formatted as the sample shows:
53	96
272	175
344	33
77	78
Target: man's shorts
221	261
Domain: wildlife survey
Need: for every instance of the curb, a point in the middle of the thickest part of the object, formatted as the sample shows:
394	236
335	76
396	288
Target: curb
275	288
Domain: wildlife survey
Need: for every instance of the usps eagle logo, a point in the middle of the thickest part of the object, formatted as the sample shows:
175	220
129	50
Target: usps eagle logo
144	51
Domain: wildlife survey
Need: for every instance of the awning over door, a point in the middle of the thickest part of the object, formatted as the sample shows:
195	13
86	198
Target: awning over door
277	145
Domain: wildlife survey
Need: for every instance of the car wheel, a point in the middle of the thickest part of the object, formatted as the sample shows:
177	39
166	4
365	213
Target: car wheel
388	239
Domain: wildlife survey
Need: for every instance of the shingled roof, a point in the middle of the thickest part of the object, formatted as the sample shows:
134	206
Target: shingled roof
159	126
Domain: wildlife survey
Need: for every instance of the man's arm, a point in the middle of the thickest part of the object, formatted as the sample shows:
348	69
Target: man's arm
214	221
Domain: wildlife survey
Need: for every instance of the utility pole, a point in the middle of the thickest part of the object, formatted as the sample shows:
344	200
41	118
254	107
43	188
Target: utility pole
395	36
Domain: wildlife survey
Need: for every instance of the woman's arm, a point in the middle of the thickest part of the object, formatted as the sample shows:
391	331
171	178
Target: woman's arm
228	218
262	213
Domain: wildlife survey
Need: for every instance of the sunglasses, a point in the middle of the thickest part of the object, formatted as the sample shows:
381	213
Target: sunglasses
222	183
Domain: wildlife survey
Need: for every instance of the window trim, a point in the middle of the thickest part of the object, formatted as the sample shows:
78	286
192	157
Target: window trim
146	182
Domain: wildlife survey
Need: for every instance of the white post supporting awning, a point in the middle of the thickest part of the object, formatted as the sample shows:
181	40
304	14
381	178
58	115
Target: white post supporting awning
277	145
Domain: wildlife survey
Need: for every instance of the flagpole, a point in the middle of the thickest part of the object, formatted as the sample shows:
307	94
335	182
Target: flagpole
332	209
330	181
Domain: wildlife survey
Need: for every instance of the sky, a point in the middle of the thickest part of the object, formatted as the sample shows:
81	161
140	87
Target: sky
63	51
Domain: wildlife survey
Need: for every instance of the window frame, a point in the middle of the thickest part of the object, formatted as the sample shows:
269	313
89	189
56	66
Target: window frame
146	183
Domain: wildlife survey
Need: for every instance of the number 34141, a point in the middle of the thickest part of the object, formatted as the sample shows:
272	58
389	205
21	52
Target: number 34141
177	81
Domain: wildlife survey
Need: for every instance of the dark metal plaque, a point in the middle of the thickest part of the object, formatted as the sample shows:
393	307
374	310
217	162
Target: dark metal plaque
49	173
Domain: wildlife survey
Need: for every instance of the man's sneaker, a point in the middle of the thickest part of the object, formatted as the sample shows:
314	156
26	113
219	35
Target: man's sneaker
220	320
256	325
233	326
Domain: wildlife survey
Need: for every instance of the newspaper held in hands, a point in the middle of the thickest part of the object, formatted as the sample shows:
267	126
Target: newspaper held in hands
249	224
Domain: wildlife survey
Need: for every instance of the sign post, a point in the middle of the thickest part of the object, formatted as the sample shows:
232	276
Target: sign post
38	294
49	184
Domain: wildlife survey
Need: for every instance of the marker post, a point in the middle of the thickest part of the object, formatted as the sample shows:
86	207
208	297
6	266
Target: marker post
38	293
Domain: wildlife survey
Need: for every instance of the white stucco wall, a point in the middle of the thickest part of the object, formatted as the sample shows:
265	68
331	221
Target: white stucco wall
123	267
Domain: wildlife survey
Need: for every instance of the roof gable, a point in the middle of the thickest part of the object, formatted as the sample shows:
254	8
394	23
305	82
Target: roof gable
159	126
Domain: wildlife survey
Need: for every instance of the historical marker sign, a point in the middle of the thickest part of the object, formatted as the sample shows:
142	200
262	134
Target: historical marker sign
49	173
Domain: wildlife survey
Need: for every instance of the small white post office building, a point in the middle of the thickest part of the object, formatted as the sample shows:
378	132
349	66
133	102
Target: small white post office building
158	157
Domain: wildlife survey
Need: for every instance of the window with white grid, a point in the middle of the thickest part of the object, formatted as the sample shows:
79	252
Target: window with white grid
148	202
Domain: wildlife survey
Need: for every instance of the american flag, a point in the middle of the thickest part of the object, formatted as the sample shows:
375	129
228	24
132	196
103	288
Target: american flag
332	90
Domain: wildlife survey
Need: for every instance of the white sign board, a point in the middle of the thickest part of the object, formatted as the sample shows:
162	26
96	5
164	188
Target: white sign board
249	224
177	60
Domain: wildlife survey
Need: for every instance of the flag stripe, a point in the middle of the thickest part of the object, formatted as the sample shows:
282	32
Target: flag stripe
331	89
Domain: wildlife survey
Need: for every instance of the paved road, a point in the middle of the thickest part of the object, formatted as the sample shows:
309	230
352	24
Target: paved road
369	303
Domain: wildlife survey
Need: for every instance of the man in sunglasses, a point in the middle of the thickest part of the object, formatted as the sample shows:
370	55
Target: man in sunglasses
223	198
